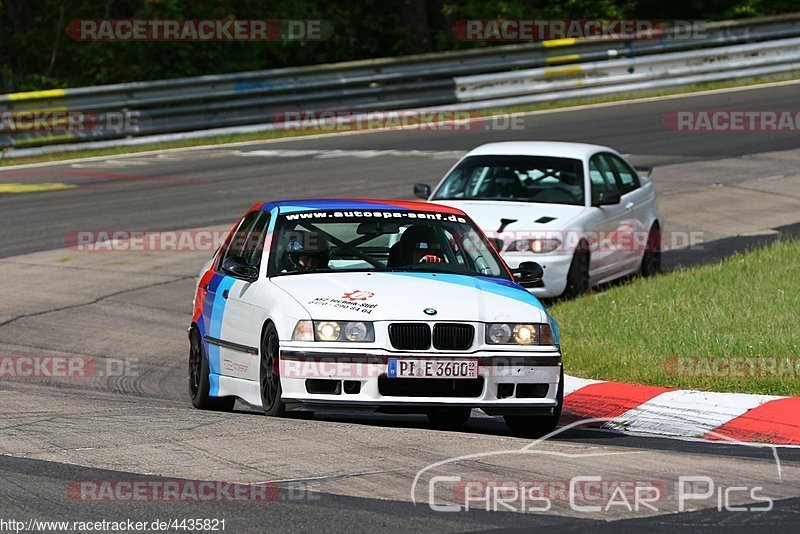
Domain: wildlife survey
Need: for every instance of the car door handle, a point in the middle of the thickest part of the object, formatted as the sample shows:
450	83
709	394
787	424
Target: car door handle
205	287
225	294
630	205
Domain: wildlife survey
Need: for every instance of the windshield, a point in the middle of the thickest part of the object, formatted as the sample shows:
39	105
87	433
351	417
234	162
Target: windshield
515	178
347	241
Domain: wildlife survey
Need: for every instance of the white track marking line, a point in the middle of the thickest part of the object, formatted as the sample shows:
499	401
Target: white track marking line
358	154
113	163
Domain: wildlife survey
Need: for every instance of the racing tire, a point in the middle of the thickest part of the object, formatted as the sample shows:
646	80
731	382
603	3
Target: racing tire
199	382
449	417
578	274
651	259
535	426
269	380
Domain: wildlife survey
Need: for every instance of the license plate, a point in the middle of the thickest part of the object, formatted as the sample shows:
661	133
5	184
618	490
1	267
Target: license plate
402	368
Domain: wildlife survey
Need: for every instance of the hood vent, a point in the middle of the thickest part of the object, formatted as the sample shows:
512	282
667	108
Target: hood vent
545	220
504	223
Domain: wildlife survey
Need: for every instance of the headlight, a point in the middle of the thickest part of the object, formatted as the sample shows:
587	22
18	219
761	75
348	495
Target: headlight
353	331
537	246
525	334
519	334
356	332
499	334
327	330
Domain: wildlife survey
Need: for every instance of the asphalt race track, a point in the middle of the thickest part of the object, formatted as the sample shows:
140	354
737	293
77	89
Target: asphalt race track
127	312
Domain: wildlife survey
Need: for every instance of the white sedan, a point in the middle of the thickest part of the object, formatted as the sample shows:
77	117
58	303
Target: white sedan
581	211
397	306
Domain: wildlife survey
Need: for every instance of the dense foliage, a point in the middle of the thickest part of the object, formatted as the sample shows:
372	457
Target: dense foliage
37	53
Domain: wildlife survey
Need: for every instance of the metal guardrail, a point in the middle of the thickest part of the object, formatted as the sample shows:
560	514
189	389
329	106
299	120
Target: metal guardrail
537	85
474	79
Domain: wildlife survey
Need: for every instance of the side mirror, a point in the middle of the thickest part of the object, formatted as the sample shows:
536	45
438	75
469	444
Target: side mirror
528	274
422	191
608	198
238	268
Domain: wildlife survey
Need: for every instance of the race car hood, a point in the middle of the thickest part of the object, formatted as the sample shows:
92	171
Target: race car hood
498	216
405	296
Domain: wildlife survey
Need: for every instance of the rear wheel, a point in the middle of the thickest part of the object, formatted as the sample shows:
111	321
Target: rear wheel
578	274
651	259
199	382
449	417
534	426
269	375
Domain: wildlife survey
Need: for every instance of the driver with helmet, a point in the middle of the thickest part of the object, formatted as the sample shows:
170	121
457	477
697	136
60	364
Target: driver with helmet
307	251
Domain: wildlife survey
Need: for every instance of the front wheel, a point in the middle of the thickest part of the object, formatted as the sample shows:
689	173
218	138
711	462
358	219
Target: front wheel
199	382
269	374
578	274
651	259
534	426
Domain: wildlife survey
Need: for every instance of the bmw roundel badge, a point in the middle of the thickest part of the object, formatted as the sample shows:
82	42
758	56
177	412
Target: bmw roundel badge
429	311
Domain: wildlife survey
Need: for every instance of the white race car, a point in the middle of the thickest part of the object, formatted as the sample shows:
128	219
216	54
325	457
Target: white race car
378	305
579	210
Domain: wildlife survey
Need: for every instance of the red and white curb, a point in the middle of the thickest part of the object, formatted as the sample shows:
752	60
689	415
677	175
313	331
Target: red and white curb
687	413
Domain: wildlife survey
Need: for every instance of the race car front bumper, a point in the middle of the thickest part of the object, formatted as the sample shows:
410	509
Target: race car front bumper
506	382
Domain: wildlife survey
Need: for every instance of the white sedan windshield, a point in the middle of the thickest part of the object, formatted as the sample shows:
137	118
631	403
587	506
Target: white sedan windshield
515	178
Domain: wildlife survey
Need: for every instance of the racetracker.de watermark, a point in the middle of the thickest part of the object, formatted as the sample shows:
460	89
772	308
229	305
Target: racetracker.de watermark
733	121
72	367
148	241
188	491
623	239
360	367
535	30
734	366
409	119
33	120
199	30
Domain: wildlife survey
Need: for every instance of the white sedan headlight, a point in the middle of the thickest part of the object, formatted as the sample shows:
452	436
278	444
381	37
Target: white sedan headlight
353	331
519	334
537	246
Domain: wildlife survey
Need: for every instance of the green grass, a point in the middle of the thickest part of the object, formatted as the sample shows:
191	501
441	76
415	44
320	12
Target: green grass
224	139
744	307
